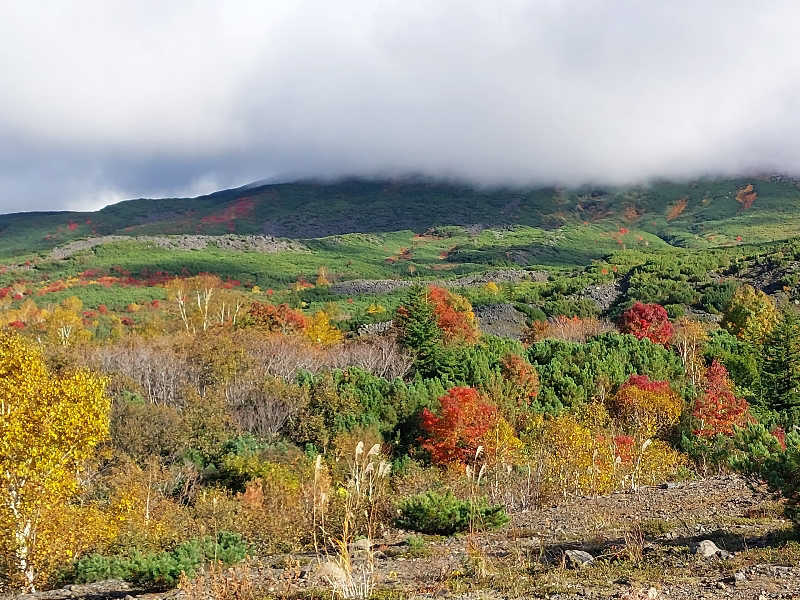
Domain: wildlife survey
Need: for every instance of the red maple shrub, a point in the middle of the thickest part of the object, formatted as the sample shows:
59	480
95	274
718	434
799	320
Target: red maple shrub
455	433
780	434
647	321
521	374
623	448
454	316
280	318
718	409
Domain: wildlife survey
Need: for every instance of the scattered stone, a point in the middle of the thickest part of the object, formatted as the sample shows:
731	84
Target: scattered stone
578	559
708	549
330	571
357	287
362	544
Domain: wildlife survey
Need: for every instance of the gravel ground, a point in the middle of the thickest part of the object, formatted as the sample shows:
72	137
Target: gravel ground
643	545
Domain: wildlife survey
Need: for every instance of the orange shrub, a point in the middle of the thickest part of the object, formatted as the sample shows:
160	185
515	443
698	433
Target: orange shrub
454	316
571	329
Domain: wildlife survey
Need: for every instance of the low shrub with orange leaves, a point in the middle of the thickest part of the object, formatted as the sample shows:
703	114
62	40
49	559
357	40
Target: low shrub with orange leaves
570	329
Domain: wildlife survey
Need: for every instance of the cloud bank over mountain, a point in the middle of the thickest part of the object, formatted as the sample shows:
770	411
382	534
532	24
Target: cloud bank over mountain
105	100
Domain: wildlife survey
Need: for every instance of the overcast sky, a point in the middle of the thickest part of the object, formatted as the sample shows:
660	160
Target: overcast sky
106	100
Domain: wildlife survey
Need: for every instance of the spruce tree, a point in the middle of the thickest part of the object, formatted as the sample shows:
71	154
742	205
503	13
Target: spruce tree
419	330
780	368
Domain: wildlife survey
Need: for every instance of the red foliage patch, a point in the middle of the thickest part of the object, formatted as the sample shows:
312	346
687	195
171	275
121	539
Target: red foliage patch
623	448
102	309
241	208
780	435
643	382
72	226
648	321
453	316
16	325
746	196
454	434
279	318
718	409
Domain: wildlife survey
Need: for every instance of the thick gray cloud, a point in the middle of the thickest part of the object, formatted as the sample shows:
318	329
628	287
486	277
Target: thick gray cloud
102	100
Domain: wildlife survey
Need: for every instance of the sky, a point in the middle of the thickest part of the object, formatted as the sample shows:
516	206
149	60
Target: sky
104	100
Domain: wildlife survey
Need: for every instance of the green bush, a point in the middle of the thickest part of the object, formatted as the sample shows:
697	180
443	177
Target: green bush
159	570
571	372
444	514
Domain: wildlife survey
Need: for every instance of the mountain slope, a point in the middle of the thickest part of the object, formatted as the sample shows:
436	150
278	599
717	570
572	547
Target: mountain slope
699	213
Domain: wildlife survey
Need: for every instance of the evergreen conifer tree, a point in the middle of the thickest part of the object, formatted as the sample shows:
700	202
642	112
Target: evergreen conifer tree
780	369
419	330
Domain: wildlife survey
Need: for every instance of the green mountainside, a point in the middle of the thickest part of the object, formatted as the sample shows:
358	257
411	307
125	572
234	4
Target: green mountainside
697	214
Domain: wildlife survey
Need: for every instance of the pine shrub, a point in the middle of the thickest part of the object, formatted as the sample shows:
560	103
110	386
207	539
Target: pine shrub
444	514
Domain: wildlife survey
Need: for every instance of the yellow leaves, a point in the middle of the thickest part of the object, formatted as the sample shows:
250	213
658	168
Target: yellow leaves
322	277
376	309
501	444
321	331
582	454
50	427
492	288
751	315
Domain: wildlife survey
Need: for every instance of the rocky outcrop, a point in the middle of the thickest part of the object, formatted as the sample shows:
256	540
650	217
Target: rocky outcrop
501	319
358	287
257	243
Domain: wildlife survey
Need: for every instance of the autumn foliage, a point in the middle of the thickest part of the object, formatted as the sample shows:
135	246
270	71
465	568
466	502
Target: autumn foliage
746	196
676	210
648	321
465	422
645	405
521	374
280	318
454	316
50	427
718	409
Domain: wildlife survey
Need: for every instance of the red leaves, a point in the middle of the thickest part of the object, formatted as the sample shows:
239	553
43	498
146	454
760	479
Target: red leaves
780	434
453	315
718	409
279	318
643	382
648	321
623	448
746	196
454	435
521	373
16	325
